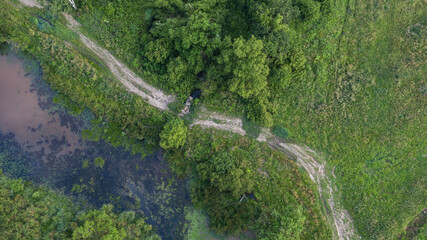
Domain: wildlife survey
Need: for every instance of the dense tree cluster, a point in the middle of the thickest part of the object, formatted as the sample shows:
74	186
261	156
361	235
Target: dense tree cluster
243	185
228	46
174	134
248	48
27	212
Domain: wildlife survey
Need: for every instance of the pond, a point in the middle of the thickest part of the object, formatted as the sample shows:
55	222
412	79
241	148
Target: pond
41	141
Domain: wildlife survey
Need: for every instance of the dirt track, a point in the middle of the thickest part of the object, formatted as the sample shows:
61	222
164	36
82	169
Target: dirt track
213	120
31	3
304	156
127	77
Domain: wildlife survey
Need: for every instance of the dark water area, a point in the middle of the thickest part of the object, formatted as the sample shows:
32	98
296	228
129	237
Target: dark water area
41	141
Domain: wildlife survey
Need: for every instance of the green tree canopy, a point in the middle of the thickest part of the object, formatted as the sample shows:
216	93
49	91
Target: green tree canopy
104	224
246	62
227	174
174	134
31	213
233	50
284	223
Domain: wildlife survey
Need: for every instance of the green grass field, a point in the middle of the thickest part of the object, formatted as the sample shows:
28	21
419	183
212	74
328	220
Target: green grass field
369	117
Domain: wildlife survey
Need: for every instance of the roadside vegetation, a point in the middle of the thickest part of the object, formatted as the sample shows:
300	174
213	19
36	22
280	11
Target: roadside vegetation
125	120
245	185
345	77
240	52
82	79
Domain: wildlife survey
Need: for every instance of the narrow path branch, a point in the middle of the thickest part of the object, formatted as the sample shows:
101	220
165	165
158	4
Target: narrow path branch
302	154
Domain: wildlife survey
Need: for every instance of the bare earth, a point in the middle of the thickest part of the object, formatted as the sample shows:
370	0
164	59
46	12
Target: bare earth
127	77
304	156
31	3
213	120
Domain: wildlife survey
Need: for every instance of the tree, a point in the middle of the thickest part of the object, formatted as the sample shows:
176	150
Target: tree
246	62
27	212
105	224
224	180
174	134
245	70
260	110
227	174
99	162
182	38
272	15
284	223
99	224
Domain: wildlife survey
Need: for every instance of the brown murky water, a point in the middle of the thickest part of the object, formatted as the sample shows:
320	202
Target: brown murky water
35	129
54	153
